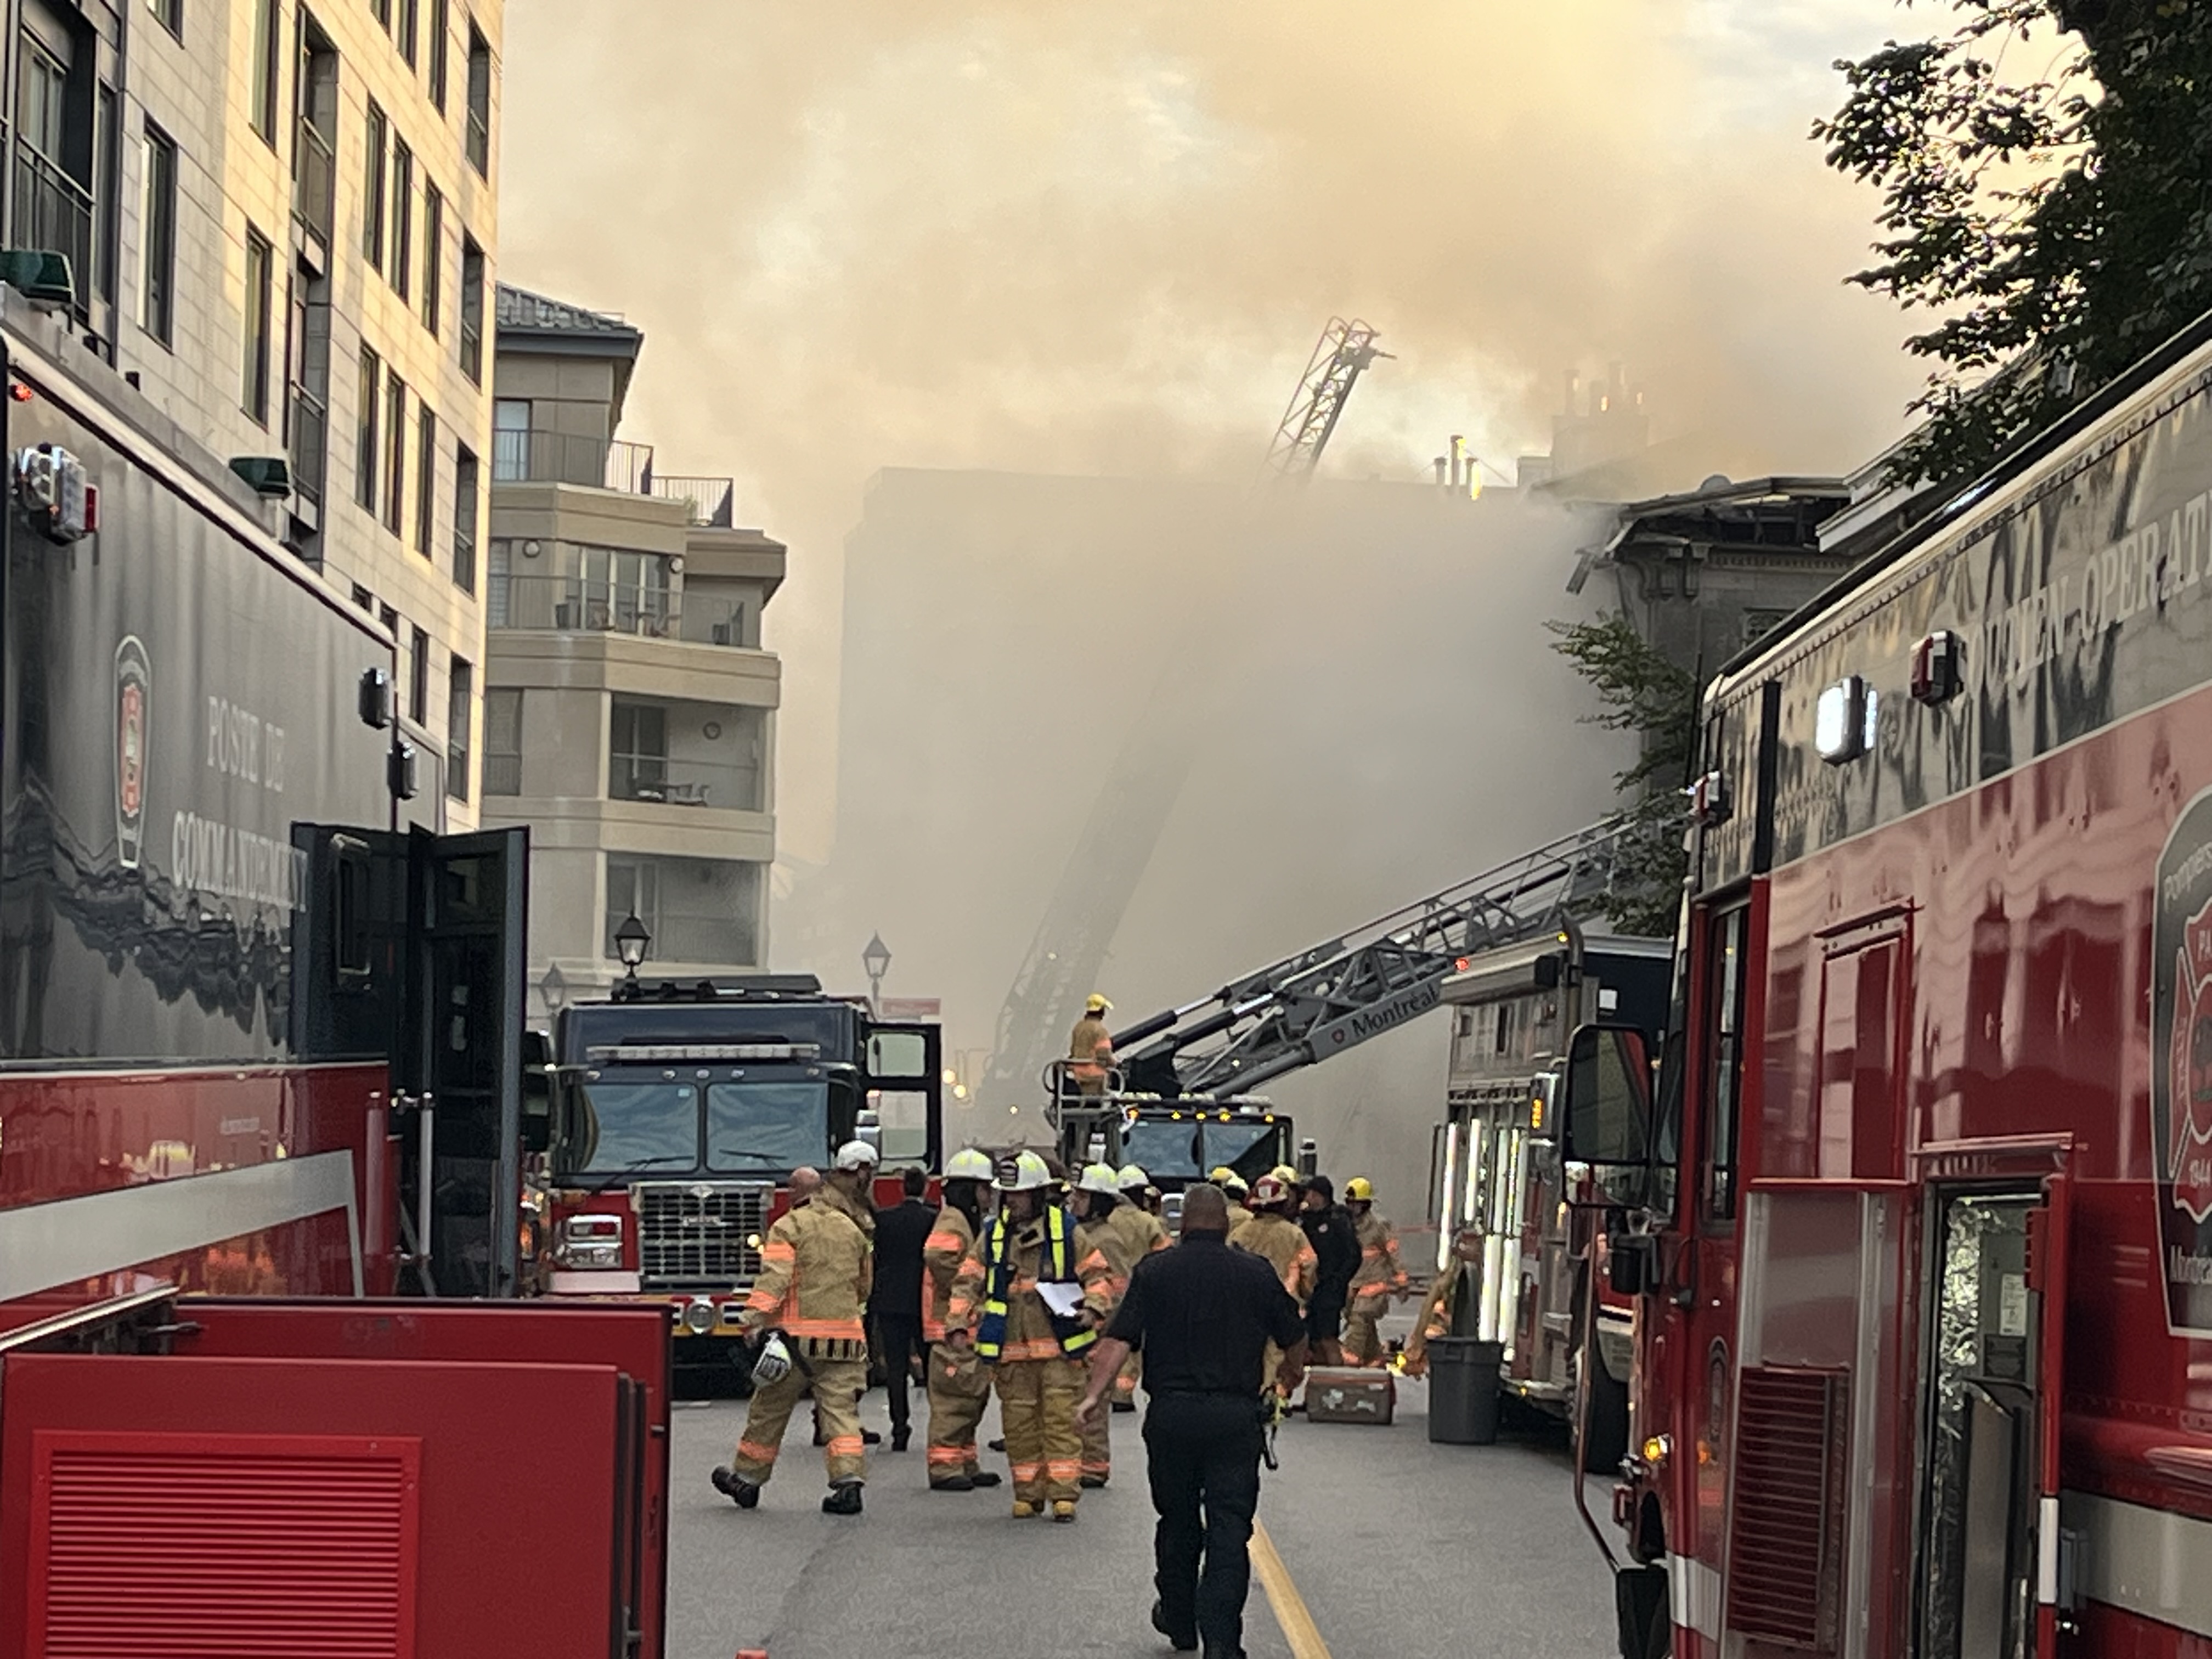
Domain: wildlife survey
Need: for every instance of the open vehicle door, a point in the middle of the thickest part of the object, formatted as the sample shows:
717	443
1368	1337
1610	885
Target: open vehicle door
905	1087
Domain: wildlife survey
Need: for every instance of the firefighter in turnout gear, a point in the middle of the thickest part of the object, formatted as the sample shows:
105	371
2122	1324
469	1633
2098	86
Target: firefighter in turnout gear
1441	1306
812	1295
1100	1239
1382	1274
959	1383
1269	1231
1000	1306
1143	1233
1090	1050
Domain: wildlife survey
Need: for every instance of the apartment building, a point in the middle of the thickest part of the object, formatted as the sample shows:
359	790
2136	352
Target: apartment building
629	709
280	220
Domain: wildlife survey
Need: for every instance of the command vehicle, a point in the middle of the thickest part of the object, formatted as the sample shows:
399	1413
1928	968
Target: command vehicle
1918	1221
680	1112
260	1066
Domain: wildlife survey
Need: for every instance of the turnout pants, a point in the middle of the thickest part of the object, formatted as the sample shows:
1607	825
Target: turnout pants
837	1384
1037	1400
898	1339
1363	1344
1204	1463
959	1390
1097	1447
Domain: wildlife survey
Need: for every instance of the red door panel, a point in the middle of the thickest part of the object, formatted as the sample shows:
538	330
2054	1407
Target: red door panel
517	1477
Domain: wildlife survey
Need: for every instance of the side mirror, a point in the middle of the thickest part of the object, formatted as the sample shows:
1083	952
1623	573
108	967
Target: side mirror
1308	1157
1628	1263
1606	1118
869	1130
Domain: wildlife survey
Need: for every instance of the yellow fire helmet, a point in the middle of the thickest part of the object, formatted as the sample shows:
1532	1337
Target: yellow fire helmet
1286	1175
1024	1172
1359	1191
1221	1174
1095	1004
970	1165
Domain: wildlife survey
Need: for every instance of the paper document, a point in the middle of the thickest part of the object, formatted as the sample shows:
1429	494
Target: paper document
1064	1299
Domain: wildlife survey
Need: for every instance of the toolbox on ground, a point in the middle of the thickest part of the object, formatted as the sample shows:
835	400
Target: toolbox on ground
1350	1394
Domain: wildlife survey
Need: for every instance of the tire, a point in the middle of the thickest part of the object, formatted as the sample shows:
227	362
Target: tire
1607	1442
1659	1634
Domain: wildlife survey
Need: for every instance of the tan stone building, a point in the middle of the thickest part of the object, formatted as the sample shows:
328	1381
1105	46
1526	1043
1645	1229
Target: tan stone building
629	718
282	220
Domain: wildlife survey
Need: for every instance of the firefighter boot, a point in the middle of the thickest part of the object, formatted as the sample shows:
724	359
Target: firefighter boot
953	1483
1063	1508
844	1498
1024	1510
742	1492
982	1477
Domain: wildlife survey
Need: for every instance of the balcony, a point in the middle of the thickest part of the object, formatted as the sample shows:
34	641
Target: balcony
540	456
708	503
681	782
577	605
53	213
314	182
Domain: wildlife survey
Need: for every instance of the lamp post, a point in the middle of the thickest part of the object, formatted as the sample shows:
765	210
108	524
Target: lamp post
876	962
630	941
553	988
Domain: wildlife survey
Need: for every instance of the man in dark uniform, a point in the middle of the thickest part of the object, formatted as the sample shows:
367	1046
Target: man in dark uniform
894	1303
1203	1315
1335	1240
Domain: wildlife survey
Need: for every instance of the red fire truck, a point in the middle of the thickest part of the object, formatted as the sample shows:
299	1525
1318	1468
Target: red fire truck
260	1062
679	1112
1919	1218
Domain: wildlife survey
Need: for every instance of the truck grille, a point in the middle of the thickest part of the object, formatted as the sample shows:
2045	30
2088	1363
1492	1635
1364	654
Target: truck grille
692	1235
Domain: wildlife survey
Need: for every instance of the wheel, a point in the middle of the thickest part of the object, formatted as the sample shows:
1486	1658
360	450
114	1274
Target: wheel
1606	1442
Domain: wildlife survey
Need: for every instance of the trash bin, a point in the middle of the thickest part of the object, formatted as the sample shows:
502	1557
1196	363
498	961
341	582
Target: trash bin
1463	1390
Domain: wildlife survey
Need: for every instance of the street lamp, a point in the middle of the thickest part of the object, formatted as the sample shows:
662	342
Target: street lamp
630	941
876	962
554	988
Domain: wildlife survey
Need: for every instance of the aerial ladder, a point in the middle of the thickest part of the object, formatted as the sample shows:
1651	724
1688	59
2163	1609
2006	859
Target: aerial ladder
1118	839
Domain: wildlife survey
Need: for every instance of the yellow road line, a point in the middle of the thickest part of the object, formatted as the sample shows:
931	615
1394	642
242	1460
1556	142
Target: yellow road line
1290	1615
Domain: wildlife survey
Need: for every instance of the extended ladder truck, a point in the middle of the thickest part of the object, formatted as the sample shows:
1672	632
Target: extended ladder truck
1508	952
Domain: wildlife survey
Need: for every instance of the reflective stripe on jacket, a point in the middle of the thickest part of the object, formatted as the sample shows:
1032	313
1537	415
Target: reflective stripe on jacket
997	1295
816	1265
942	1253
1381	1271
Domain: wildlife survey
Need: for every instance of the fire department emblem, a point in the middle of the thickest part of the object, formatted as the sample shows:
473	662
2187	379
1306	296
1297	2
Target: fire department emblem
134	690
2181	1067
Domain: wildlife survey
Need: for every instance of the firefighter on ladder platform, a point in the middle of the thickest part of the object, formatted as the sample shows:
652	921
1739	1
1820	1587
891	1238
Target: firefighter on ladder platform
1103	1243
1089	1048
809	1304
1143	1234
1023	1268
959	1385
1382	1274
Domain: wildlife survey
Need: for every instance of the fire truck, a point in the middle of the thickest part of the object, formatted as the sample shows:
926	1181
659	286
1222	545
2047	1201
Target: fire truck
1918	1214
260	1066
678	1114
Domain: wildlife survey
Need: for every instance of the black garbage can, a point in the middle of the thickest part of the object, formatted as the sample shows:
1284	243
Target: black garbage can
1463	1390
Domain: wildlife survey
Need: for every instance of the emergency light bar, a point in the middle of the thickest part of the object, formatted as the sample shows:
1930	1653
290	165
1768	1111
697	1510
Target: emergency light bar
616	1053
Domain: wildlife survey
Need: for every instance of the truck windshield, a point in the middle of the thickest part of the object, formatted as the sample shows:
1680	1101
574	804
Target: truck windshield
767	1128
636	1126
1168	1151
1247	1148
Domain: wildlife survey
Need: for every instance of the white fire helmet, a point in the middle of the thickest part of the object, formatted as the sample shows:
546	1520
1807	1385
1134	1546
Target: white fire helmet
968	1165
1132	1178
1024	1173
1100	1178
856	1155
774	1363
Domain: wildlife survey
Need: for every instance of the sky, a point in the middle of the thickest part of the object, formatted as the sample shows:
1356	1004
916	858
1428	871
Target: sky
1075	236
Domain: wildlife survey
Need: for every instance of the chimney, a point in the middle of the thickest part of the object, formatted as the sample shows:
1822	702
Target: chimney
1458	462
1443	466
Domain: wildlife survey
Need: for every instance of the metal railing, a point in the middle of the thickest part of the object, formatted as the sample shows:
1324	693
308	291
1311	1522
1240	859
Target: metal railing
575	604
314	180
310	445
710	501
683	782
541	457
54	212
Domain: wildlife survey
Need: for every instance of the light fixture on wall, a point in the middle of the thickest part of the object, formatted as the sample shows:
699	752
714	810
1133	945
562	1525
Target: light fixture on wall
711	730
532	549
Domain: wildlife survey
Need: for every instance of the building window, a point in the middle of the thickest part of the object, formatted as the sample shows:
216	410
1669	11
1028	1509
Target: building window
637	751
260	284
441	29
433	255
171	14
426	480
267	37
510	440
158	276
375	137
633	889
308	395
410	25
395	451
362	596
366	449
473	310
479	117
502	756
703	911
461	704
315	127
418	678
464	519
402	217
383	10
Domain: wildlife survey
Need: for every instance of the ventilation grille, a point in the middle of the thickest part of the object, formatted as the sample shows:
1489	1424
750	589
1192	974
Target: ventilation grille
1786	1537
696	1234
231	1546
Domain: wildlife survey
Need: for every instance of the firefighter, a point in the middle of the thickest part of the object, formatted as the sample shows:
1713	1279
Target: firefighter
1239	1195
1381	1275
1090	1050
1140	1221
807	1307
1099	1235
1437	1311
959	1387
1269	1231
999	1308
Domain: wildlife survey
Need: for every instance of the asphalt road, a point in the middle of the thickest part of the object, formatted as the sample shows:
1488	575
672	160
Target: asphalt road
1399	1549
